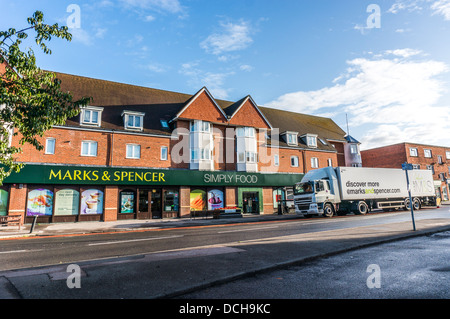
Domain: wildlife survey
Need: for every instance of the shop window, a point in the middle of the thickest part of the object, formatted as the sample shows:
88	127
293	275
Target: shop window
215	199
67	202
3	202
198	200
171	200
40	202
91	202
127	202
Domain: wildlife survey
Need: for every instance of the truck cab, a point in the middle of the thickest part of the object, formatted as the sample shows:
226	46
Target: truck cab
311	197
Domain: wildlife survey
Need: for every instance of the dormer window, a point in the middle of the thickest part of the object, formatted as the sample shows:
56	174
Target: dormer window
291	138
133	120
311	140
91	115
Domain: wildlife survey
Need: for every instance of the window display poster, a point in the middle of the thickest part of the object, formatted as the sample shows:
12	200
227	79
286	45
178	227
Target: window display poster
198	200
91	202
215	199
126	202
3	202
40	202
66	202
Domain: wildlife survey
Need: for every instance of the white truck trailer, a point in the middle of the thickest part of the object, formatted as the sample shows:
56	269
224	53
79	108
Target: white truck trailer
328	191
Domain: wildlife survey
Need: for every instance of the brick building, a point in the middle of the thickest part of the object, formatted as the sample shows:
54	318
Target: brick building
434	158
138	153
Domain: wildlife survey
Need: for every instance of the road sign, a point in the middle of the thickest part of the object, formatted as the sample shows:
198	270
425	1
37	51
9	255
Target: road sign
407	167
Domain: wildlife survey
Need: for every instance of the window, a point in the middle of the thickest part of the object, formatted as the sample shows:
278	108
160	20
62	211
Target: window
89	148
440	161
171	200
447	154
294	161
413	152
314	162
133	151
431	168
330	162
251	157
311	140
245	132
50	146
91	115
291	138
416	166
133	120
322	141
164	153
353	149
200	126
427	153
200	154
164	124
276	160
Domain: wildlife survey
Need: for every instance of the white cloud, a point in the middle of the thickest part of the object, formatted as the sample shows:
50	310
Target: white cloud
405	53
388	98
232	37
246	67
199	78
442	7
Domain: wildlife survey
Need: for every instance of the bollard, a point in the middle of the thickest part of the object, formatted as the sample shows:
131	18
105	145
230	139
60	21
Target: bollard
33	224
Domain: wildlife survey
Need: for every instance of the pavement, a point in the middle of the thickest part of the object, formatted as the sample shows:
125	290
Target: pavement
229	261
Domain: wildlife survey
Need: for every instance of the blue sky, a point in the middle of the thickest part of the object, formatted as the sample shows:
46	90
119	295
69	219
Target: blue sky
328	57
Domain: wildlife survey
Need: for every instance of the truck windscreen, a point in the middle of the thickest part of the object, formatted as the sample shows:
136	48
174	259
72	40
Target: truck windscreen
303	188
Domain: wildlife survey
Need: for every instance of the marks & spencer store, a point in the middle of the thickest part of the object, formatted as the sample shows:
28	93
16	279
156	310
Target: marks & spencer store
72	193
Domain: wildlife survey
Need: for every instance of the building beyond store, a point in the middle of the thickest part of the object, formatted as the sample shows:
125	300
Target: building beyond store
434	158
141	153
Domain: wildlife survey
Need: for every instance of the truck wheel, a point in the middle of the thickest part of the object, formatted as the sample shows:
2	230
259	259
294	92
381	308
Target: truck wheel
362	208
328	210
407	207
416	204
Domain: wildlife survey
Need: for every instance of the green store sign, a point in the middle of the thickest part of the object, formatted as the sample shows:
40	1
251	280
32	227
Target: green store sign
88	175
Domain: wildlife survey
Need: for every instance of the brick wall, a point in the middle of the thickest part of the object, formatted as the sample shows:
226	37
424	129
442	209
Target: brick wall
392	156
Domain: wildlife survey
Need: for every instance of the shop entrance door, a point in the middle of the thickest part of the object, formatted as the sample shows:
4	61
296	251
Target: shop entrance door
150	203
156	203
251	202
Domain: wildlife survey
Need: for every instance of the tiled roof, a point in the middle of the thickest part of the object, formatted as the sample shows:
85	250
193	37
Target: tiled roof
157	104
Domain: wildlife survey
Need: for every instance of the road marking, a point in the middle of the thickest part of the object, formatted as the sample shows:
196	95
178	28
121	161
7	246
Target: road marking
133	240
19	251
245	229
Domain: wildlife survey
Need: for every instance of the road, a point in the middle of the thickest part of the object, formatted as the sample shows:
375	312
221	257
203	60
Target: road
164	262
416	268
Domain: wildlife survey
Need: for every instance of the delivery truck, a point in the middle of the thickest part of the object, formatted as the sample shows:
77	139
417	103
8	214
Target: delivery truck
332	191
